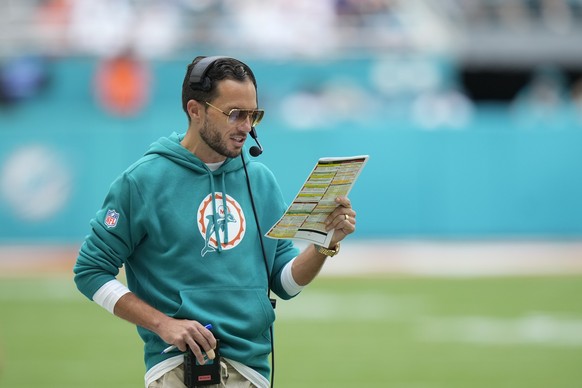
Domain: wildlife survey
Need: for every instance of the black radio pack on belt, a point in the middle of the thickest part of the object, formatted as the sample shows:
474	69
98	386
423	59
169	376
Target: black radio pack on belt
196	375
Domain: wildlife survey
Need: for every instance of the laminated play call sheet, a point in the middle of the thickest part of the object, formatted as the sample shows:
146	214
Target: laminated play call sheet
305	218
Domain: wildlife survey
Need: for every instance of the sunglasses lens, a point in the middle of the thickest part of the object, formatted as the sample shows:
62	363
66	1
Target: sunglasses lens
237	116
257	116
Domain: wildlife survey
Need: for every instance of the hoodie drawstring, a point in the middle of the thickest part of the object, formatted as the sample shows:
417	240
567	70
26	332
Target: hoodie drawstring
214	217
225	207
217	225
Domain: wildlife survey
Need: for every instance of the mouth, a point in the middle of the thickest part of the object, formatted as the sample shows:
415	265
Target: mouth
238	140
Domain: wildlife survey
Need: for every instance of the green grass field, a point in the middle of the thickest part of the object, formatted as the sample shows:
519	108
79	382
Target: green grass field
366	332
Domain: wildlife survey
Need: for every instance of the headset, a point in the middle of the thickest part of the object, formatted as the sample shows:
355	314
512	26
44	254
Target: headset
198	80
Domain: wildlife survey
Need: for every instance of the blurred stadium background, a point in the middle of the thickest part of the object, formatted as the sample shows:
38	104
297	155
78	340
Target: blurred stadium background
465	268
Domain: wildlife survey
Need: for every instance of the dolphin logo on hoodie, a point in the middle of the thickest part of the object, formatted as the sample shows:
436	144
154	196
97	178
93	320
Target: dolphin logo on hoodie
223	228
224	217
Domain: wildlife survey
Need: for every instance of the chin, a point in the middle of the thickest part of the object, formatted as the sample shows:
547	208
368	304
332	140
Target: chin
234	154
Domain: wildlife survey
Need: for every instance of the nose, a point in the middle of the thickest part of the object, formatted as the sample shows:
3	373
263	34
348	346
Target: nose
246	124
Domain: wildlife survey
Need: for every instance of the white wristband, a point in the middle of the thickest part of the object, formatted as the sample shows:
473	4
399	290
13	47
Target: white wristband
288	282
109	293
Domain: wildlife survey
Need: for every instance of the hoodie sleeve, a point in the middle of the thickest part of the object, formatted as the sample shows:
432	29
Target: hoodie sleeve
115	231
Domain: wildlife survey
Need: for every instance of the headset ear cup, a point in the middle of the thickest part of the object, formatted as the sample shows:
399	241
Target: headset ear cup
198	79
206	84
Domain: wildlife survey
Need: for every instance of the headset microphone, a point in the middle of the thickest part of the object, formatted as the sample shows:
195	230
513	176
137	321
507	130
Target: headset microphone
258	149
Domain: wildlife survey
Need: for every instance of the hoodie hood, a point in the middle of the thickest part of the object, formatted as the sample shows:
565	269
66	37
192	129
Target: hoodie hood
170	148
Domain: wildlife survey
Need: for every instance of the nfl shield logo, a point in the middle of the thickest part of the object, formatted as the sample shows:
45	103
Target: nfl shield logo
111	218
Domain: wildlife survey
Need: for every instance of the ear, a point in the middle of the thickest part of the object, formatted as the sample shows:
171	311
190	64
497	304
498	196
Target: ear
195	110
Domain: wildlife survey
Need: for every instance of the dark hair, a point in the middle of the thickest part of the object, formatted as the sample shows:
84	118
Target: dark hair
221	68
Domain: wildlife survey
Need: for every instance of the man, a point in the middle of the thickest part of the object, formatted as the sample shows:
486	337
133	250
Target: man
183	221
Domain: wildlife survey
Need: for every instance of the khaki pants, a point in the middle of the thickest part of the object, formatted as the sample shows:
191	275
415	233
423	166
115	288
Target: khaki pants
230	378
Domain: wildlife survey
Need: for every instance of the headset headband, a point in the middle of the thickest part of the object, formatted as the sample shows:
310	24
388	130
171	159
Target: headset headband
197	75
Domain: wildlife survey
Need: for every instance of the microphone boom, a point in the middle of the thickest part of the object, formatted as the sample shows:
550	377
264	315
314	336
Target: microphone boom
258	149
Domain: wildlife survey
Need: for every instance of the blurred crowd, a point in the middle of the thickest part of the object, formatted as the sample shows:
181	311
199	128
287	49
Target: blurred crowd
559	16
548	98
125	35
162	28
159	28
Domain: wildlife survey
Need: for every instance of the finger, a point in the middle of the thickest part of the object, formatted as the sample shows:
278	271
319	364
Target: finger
205	337
205	340
197	351
348	225
349	215
338	221
341	217
343	201
343	207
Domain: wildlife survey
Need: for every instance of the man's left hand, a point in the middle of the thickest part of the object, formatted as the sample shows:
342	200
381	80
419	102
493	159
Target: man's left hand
342	219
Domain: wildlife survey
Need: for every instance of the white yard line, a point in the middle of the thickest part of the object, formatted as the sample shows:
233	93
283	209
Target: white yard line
540	328
534	329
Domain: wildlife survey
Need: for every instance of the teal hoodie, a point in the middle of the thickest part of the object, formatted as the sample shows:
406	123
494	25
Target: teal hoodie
188	239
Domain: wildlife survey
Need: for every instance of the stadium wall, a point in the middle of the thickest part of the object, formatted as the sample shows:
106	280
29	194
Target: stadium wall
489	178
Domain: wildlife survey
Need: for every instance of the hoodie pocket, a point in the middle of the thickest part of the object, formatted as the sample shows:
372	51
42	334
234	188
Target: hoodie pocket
233	312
